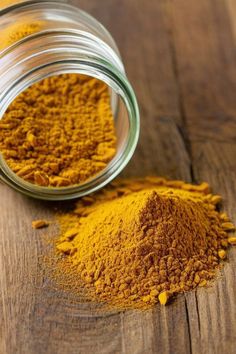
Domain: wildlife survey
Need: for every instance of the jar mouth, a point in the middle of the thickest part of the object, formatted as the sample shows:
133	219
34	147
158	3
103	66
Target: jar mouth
117	81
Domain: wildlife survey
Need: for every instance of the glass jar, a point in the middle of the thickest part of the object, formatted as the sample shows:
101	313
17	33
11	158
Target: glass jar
68	41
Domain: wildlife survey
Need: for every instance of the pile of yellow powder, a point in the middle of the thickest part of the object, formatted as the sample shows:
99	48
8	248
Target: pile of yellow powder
139	242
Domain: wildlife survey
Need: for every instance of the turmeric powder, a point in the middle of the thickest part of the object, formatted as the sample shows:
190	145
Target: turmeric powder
60	131
5	3
39	224
15	32
140	241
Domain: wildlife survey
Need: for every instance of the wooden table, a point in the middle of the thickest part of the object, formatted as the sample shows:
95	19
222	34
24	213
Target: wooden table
181	59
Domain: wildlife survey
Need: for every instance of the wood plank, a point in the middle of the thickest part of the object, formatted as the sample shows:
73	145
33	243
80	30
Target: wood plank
214	161
231	5
159	138
205	57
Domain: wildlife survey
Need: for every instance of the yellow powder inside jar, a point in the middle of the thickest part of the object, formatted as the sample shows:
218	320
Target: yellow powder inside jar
60	131
139	242
15	32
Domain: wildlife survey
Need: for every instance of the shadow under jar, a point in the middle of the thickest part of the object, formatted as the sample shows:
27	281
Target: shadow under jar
68	41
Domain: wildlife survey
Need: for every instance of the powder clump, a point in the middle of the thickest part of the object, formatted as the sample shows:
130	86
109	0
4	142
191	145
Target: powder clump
140	241
39	224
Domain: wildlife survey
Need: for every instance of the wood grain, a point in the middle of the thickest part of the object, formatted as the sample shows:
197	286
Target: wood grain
180	58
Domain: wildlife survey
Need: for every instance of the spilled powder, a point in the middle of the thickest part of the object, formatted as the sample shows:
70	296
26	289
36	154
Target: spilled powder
39	224
139	242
